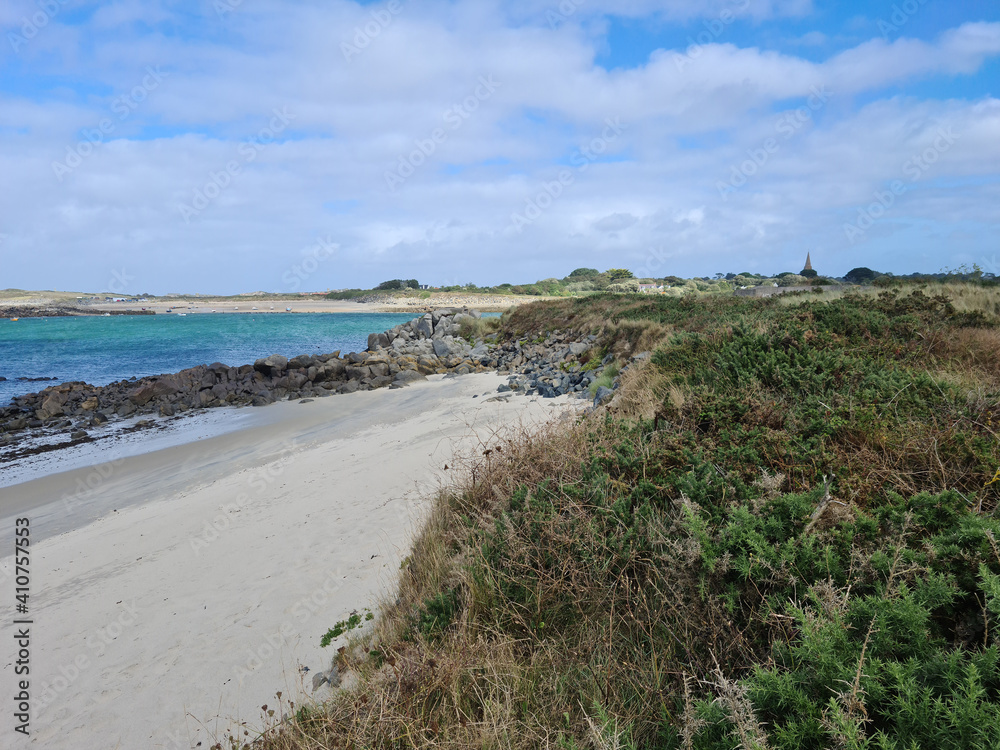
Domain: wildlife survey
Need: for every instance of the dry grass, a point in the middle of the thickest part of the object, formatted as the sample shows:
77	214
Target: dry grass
583	614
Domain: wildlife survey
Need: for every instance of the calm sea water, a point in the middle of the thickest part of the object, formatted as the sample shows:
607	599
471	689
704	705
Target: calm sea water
100	350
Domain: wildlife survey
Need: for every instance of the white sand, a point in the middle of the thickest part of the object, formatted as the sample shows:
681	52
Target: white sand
214	568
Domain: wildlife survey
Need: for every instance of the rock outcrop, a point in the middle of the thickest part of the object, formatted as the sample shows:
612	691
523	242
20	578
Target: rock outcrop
427	345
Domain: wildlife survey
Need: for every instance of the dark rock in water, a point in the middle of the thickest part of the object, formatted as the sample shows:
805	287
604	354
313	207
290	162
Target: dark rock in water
35	380
2	378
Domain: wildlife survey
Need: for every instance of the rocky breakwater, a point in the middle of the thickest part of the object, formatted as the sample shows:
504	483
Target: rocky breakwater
427	345
560	363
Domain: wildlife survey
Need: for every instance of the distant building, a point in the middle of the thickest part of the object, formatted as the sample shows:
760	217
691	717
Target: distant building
808	266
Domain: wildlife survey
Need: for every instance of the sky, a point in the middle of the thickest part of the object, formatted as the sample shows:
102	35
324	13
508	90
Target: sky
227	146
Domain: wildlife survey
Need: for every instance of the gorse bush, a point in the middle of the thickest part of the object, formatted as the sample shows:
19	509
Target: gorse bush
795	548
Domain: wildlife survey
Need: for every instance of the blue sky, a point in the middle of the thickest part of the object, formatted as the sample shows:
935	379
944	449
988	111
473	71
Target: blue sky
227	145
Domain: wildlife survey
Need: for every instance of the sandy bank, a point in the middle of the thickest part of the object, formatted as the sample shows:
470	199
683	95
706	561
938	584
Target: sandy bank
213	568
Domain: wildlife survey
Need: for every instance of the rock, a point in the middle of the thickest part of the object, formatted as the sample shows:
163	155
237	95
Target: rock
272	365
424	327
301	362
405	377
502	388
377	341
78	435
319	679
167	410
125	409
98	419
603	395
349	387
52	406
357	373
333	676
167	385
89	404
442	348
576	349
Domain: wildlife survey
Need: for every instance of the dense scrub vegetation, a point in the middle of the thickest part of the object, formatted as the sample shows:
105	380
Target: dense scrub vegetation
583	281
781	534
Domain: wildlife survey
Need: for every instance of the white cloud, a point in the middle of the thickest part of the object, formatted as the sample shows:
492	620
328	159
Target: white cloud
647	195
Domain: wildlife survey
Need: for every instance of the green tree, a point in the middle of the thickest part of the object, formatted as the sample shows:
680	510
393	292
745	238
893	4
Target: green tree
583	272
860	275
616	274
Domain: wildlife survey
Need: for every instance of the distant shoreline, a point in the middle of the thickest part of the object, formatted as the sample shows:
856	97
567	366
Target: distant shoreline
41	304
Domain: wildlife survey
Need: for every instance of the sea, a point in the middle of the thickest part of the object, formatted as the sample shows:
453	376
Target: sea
100	350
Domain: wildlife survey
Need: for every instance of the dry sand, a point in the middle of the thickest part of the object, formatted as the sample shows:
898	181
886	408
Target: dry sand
298	304
215	567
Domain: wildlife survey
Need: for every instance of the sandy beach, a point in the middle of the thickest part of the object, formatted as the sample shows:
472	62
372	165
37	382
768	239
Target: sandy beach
175	592
311	303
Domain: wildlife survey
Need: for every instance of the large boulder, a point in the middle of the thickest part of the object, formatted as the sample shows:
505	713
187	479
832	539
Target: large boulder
52	406
405	377
273	365
424	327
301	362
377	341
166	385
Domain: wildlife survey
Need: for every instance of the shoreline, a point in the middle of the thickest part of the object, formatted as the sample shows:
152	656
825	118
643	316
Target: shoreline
63	307
218	564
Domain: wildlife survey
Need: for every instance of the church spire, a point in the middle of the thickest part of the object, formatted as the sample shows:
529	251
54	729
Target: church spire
809	265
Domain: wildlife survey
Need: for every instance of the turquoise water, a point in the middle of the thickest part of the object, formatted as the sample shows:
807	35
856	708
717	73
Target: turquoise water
100	350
